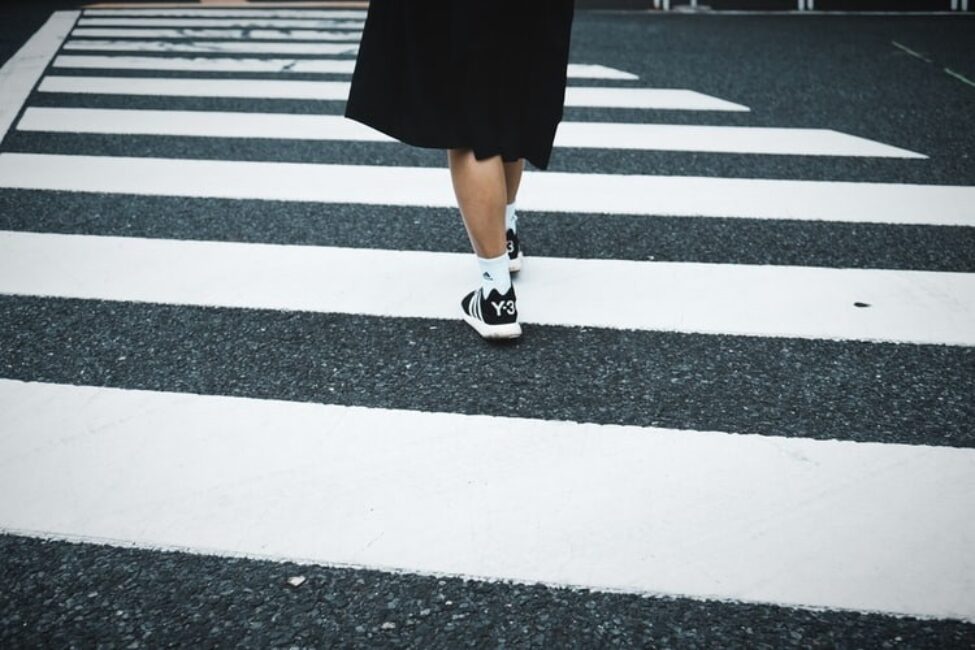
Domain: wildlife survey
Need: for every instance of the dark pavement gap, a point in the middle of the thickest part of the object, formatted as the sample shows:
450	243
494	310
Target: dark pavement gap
574	235
819	389
70	595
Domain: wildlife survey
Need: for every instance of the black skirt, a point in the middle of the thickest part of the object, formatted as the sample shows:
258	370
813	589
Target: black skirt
487	75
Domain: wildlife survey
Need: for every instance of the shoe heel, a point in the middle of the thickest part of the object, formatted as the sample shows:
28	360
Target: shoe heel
494	332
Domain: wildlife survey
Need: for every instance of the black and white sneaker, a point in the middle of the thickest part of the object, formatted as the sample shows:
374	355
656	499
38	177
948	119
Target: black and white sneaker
514	251
494	317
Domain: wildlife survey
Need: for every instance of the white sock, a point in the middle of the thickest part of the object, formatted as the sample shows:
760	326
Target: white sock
494	274
510	217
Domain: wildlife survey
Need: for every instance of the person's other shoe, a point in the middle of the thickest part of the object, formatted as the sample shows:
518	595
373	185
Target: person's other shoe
515	255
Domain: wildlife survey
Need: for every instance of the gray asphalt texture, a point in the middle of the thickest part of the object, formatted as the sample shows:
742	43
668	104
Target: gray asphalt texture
838	72
61	594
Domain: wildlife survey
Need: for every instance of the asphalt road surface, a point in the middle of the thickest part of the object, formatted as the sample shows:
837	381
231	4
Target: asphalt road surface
240	407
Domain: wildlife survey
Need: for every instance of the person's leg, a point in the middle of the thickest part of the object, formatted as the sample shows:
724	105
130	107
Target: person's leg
481	194
512	178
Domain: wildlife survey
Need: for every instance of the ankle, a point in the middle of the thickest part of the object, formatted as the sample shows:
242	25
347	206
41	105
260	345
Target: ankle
495	274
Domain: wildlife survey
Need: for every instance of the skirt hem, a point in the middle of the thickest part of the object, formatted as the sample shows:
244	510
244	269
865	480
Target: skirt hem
538	159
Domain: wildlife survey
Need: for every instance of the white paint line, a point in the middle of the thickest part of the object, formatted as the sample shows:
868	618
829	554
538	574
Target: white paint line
249	88
760	300
225	13
236	64
21	71
250	4
221	22
600	135
646	98
276	4
198	123
228	47
911	52
723	139
550	191
242	34
590	71
205	64
790	521
960	76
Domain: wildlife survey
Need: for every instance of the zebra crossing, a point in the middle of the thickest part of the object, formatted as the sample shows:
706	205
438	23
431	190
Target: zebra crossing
594	488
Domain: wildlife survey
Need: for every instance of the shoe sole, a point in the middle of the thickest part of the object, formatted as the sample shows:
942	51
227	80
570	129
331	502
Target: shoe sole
506	331
514	265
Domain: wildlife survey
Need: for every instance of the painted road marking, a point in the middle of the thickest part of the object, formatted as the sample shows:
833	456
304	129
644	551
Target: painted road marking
599	135
277	4
221	22
244	34
246	47
723	139
790	521
158	86
593	71
226	13
960	77
753	300
689	196
19	74
319	65
205	64
645	98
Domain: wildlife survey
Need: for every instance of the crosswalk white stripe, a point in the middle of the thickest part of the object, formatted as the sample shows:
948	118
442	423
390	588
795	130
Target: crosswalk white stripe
212	12
760	300
647	98
319	65
319	23
601	135
249	88
549	191
244	34
197	123
593	71
204	64
835	524
640	98
224	47
723	139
